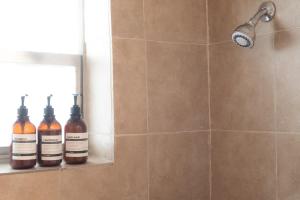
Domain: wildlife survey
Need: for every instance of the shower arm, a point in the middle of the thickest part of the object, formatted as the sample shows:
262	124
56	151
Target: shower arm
257	17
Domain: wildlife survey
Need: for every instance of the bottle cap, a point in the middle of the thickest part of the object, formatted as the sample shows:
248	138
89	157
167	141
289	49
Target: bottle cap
49	110
75	110
23	111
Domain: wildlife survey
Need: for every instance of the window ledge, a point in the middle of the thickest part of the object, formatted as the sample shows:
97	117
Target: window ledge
5	168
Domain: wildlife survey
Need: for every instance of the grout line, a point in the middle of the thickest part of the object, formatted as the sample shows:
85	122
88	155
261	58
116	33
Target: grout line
207	23
144	20
162	133
243	131
178	43
60	191
210	164
287	132
127	38
122	134
147	86
258	132
209	101
276	166
220	43
275	123
148	167
208	69
147	103
160	41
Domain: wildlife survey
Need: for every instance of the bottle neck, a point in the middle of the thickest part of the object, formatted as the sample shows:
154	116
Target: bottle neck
23	118
75	117
49	118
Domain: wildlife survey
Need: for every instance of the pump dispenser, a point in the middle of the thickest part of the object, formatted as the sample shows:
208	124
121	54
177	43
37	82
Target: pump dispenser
23	146
49	138
76	137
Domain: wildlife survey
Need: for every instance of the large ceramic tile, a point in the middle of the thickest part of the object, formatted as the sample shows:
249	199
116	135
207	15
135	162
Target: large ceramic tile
129	85
125	179
179	167
31	186
243	166
87	183
127	18
242	86
225	16
287	45
7	187
177	81
176	20
288	167
131	155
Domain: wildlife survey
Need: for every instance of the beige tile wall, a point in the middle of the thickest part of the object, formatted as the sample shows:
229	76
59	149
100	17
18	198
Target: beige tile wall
196	117
161	112
255	103
238	170
161	95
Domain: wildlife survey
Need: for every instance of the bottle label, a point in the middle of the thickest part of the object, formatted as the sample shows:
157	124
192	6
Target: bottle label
51	147
76	144
24	147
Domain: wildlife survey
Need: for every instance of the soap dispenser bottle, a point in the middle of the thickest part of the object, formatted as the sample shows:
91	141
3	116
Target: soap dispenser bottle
49	138
76	137
23	146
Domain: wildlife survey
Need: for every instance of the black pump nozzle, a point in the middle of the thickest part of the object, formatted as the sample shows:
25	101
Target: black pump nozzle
23	99
49	110
49	99
22	111
75	110
75	98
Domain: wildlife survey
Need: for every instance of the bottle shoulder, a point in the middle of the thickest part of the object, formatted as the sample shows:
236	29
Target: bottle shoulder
75	126
24	127
52	125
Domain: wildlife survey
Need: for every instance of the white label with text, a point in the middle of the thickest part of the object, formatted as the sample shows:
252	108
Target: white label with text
24	147
76	144
51	147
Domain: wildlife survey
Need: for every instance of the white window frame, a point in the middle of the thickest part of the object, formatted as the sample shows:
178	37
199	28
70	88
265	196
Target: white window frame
96	79
41	59
4	154
44	58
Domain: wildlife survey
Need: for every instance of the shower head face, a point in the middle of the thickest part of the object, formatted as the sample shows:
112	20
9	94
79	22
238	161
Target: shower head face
244	35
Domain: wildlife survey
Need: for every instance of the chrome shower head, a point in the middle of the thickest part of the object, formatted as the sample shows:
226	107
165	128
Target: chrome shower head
244	35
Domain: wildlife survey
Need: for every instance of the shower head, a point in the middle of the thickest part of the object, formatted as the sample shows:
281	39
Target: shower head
244	35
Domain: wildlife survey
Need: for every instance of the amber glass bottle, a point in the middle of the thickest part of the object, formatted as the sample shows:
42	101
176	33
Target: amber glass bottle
23	146
49	139
76	137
